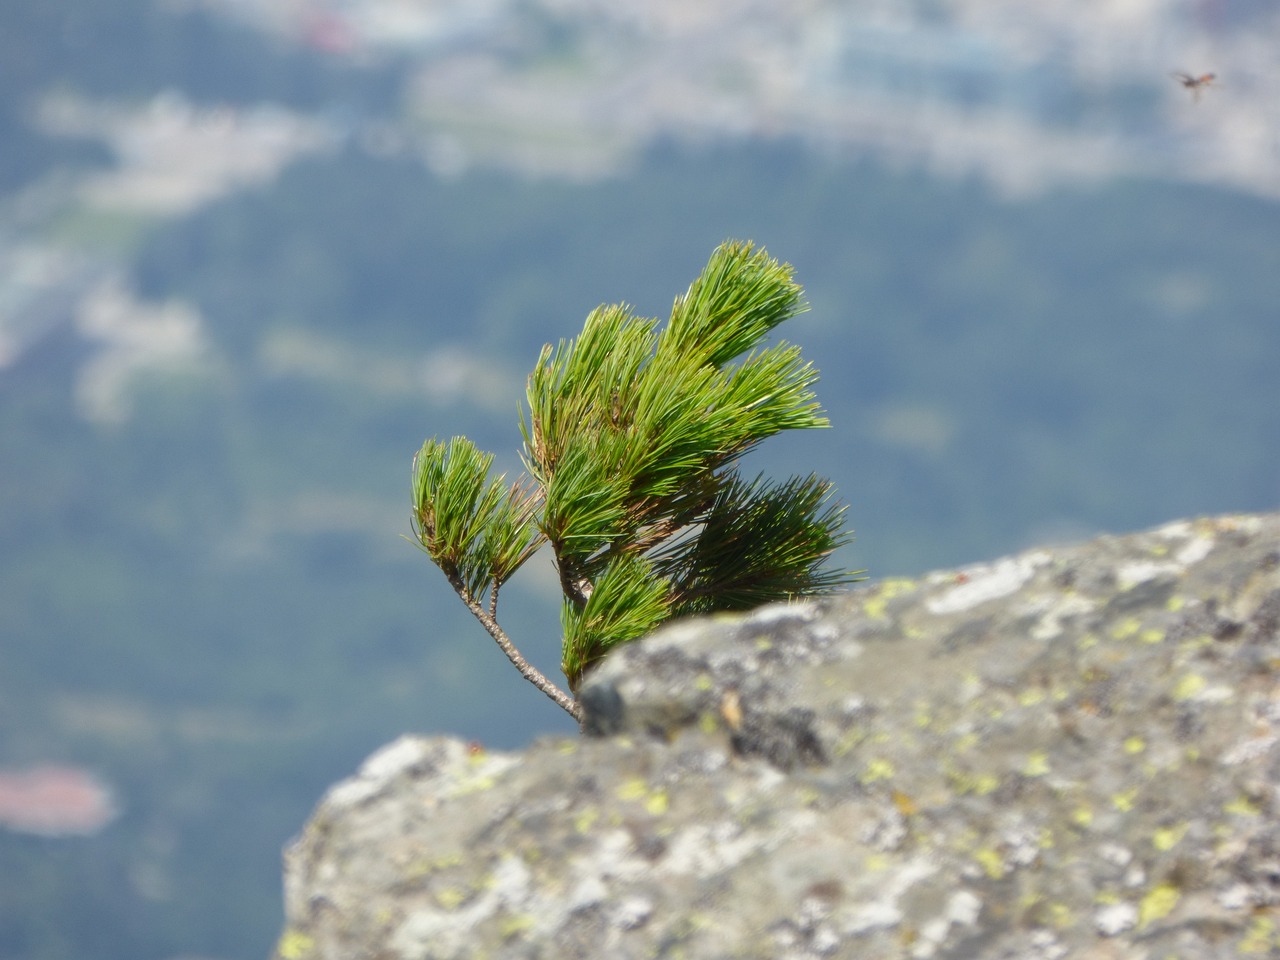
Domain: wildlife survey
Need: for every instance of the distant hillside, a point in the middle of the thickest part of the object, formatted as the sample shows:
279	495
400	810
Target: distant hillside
205	602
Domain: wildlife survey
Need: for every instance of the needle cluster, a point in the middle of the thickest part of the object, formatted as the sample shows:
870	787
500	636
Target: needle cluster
631	444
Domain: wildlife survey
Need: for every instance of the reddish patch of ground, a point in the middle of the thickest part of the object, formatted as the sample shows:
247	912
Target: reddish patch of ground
54	801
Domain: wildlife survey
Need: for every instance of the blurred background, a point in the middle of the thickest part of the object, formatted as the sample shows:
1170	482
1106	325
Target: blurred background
254	252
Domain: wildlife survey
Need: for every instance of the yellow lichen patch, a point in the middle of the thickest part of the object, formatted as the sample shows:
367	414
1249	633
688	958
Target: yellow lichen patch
704	682
633	789
450	897
1158	904
1060	916
1126	628
474	785
877	769
1190	685
1175	603
1242	806
1087	641
848	742
294	945
1166	838
809	797
985	783
978	784
991	861
514	924
877	607
657	802
875	863
1134	744
924	718
1151	635
428	865
1029	698
1037	764
1082	816
1260	937
1124	800
585	819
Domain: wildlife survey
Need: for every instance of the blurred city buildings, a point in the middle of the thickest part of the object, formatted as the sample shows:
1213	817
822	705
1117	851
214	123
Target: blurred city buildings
1019	97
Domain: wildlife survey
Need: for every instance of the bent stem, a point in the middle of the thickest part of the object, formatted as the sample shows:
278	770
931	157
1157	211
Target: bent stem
527	669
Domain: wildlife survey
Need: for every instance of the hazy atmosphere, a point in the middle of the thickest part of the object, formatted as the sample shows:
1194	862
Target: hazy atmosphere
252	255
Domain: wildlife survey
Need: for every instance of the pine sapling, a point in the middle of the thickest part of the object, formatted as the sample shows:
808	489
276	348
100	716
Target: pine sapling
632	440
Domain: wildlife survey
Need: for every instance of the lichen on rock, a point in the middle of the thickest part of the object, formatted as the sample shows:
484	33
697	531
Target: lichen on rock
1070	752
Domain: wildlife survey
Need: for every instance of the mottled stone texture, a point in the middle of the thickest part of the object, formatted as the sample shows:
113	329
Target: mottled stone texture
1068	753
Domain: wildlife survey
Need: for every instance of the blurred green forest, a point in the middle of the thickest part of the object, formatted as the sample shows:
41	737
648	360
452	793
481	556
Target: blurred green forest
210	602
193	610
990	367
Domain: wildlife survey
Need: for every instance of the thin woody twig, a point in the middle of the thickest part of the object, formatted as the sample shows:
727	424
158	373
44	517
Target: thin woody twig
527	670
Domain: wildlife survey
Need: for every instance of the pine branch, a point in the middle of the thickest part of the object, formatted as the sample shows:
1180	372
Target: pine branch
732	306
632	438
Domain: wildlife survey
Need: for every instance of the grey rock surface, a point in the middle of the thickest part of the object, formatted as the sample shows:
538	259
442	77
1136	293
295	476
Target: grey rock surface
1072	752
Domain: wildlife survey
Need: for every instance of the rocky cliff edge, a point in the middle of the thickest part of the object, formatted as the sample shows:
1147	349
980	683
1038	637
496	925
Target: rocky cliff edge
1071	752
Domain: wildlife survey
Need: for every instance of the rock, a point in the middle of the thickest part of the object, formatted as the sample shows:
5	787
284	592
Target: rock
1073	752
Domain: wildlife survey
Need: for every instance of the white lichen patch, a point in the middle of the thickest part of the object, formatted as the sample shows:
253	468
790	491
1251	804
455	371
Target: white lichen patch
1194	551
962	910
884	908
803	611
377	772
1138	572
704	849
988	582
1115	918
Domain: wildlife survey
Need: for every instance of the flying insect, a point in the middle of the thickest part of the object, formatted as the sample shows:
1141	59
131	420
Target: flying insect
1195	83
